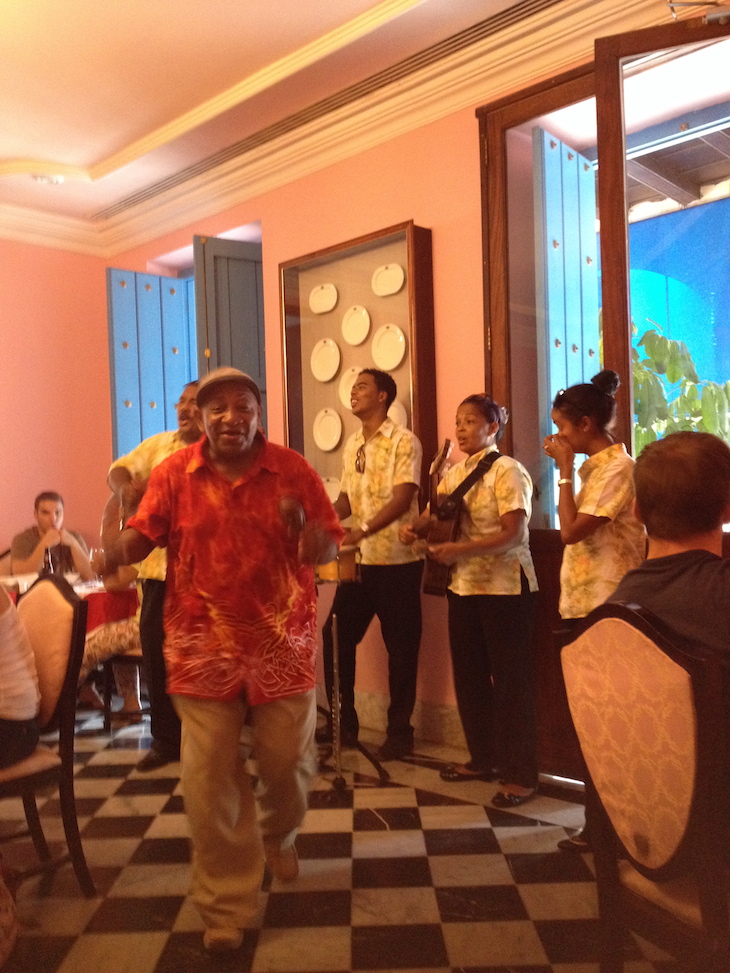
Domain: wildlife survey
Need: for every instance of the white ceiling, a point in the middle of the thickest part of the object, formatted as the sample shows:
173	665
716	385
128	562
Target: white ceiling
117	96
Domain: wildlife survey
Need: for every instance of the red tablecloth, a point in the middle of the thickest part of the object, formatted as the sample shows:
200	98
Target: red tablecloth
110	606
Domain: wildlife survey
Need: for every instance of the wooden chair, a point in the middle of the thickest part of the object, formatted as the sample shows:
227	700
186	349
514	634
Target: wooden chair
55	620
651	721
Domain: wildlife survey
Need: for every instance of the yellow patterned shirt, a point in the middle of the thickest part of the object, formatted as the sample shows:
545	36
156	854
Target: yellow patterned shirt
392	456
506	487
593	567
140	462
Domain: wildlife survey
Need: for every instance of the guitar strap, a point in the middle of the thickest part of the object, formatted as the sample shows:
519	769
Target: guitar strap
448	507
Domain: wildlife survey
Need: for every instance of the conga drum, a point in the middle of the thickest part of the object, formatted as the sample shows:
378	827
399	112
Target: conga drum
345	567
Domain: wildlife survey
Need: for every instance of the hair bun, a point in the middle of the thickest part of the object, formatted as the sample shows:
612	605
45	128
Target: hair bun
503	416
606	381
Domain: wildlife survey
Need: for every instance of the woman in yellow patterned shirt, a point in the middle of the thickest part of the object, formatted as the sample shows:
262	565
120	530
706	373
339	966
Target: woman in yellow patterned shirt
491	601
603	539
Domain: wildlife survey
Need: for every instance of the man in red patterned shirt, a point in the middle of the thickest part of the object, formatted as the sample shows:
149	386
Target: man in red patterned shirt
243	521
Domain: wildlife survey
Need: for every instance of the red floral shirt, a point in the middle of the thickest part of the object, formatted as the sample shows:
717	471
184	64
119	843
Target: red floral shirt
240	609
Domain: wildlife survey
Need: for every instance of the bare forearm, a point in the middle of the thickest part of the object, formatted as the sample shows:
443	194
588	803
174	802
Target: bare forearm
81	562
567	512
130	547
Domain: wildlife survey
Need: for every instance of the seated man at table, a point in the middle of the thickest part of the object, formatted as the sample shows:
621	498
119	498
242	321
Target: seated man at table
19	695
68	548
682	485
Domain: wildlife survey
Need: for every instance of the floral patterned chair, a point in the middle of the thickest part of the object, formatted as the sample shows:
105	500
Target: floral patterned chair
652	724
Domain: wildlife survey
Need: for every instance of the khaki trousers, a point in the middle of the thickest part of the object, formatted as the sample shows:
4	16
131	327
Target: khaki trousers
228	857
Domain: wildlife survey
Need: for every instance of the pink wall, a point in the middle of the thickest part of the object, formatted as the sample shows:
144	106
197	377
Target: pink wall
55	363
54	393
432	177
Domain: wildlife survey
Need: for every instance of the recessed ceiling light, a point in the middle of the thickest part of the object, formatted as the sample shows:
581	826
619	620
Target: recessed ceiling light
50	180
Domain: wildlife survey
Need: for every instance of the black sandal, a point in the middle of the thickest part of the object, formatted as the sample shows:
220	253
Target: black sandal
452	773
502	800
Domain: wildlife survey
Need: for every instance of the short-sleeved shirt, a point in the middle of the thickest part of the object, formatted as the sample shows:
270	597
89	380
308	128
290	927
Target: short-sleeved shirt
140	462
240	610
393	456
26	542
505	487
19	696
593	567
688	593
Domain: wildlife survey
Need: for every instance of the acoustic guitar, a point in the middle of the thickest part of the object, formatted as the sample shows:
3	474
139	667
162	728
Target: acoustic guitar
441	529
445	525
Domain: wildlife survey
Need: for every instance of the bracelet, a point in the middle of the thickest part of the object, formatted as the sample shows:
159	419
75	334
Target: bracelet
565	480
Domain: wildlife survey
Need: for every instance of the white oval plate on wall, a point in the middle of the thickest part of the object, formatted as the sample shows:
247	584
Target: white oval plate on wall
327	430
346	383
322	298
389	347
355	325
325	359
388	279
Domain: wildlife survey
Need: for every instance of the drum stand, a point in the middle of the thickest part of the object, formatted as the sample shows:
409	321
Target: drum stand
339	783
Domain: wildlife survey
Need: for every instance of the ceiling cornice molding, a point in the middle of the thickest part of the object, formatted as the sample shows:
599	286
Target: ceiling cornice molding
49	230
548	43
268	76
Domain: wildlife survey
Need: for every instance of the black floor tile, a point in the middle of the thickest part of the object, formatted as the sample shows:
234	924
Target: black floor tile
461	841
148	785
99	770
149	914
166	851
429	799
184	953
331	845
505	969
132	826
480	903
577	941
508	819
85	807
29	952
555	867
390	873
174	805
287	909
398	947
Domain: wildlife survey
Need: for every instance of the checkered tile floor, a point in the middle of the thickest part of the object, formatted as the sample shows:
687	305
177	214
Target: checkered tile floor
418	876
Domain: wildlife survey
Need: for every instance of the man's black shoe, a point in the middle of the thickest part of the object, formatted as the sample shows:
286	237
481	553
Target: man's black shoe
394	748
156	758
323	736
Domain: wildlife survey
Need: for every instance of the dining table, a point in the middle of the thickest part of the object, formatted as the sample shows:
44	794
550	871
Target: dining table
104	606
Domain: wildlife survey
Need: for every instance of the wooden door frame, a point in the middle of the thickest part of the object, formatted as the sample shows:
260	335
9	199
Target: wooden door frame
601	79
494	121
616	324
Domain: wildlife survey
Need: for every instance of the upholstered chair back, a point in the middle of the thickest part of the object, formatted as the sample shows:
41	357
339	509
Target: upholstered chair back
634	714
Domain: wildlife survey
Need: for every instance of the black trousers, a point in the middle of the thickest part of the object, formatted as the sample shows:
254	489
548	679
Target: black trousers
164	721
393	593
18	739
491	653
